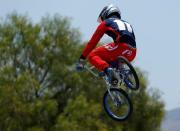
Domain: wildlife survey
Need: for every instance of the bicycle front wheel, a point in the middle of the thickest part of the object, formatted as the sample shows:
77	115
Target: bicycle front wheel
117	104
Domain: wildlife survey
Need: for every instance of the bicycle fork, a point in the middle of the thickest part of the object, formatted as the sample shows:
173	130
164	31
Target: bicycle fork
108	85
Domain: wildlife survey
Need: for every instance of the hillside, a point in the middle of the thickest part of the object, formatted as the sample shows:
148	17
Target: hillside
172	120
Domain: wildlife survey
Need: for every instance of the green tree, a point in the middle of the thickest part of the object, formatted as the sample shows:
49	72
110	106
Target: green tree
80	115
34	60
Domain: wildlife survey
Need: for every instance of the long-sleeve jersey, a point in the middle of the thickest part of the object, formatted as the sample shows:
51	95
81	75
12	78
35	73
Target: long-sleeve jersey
119	30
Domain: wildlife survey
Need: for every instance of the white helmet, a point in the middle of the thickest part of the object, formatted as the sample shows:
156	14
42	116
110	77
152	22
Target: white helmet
109	11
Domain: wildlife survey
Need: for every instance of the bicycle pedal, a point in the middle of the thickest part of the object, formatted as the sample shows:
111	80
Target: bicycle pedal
102	74
114	82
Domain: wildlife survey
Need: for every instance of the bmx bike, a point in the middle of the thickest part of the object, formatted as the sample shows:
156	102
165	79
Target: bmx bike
116	101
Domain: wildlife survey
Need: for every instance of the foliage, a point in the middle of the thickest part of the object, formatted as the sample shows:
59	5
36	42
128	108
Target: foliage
40	91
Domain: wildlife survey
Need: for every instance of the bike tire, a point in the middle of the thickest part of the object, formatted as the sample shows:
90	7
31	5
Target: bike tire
107	106
124	60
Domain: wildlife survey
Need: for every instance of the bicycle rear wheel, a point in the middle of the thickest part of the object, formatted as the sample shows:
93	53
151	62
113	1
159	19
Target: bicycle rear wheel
117	104
129	74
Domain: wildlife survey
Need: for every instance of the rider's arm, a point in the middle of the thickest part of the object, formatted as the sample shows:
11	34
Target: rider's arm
101	29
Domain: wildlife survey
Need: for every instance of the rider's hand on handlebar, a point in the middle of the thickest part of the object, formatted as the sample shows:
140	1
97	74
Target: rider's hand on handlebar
80	65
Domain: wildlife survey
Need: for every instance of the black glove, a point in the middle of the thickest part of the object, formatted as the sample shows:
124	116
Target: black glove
80	64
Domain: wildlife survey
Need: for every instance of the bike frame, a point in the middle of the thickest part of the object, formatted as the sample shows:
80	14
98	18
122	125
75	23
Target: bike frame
115	93
108	85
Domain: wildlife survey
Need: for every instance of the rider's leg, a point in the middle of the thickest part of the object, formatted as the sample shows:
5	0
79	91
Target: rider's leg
99	58
109	52
102	65
97	61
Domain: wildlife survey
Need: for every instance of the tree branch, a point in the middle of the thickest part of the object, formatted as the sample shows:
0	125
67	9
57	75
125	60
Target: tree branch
44	75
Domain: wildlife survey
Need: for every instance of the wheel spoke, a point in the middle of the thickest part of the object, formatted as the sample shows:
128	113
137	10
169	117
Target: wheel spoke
120	107
128	74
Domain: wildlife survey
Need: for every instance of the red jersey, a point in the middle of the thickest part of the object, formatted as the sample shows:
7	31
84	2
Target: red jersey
120	31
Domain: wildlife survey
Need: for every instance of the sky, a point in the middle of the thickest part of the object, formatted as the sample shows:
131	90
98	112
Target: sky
156	26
